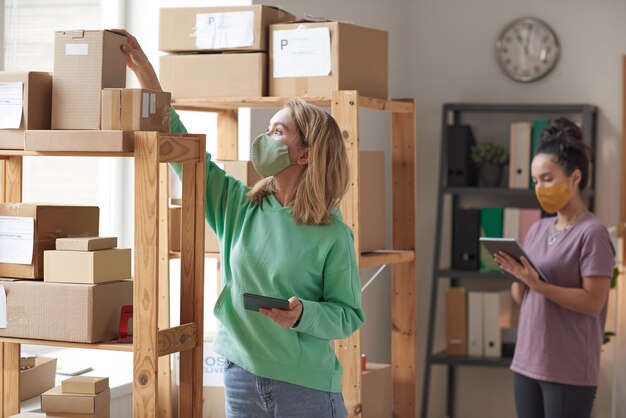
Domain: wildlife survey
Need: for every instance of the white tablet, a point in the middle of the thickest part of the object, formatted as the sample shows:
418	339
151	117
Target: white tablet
512	248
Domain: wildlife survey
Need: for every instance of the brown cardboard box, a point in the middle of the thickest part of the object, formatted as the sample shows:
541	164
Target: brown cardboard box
135	110
359	61
89	141
38	379
86	243
90	385
29	415
214	75
376	391
51	222
36	107
55	401
456	322
372	213
85	313
87	266
85	62
181	29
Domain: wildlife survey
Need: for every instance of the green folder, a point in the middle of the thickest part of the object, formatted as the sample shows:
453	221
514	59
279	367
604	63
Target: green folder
491	225
538	126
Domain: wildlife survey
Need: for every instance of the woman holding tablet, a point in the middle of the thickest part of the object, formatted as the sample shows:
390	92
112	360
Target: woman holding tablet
284	238
561	326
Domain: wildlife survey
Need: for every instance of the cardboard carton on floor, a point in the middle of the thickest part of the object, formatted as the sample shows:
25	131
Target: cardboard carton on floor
135	110
37	379
30	229
85	62
84	313
239	28
56	401
35	90
317	58
214	75
376	391
87	266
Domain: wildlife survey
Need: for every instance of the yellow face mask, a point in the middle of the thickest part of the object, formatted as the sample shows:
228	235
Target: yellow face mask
554	198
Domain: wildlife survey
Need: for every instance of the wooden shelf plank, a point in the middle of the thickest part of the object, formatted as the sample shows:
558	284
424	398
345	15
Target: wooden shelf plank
378	258
176	254
221	103
107	345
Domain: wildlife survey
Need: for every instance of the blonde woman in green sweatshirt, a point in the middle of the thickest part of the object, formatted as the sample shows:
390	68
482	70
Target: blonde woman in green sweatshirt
283	238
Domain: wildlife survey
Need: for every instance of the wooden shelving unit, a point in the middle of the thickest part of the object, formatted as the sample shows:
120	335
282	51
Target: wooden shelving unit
152	344
345	107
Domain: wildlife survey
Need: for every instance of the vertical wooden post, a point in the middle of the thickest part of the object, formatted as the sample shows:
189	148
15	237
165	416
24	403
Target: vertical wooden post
145	298
623	185
404	280
227	135
13	179
345	110
164	367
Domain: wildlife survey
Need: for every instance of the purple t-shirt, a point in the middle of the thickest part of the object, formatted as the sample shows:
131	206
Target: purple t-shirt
556	344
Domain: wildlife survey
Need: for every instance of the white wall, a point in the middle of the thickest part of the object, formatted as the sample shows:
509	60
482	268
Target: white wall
452	58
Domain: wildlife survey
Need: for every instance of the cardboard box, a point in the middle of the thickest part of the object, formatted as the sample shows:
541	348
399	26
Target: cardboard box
38	379
239	28
36	105
55	401
85	62
358	60
372	211
80	141
231	75
51	222
456	322
90	385
241	170
29	415
87	266
86	243
376	391
135	110
85	313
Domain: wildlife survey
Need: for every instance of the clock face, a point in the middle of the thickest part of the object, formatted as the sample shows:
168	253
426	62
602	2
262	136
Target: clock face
527	49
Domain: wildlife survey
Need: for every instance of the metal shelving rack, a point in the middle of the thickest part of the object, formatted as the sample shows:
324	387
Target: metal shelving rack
477	197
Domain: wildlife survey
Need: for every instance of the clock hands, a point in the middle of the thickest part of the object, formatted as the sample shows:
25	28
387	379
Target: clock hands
522	40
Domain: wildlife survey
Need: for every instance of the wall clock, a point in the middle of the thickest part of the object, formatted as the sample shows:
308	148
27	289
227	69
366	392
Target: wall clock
527	49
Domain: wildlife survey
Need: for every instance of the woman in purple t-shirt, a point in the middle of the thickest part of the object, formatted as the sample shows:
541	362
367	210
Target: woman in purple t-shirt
561	326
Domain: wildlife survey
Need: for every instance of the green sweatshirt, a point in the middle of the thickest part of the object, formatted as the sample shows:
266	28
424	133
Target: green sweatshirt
264	251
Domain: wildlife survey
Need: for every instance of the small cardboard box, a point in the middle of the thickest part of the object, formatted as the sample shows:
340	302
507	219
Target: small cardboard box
86	243
85	62
456	322
239	28
358	59
231	75
135	110
38	379
84	313
50	222
372	211
376	391
87	141
36	105
89	385
55	401
87	266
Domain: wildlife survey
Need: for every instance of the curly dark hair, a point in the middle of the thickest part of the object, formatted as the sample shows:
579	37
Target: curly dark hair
563	140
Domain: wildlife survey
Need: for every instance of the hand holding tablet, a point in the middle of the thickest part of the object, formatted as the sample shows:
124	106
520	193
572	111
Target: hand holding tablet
512	248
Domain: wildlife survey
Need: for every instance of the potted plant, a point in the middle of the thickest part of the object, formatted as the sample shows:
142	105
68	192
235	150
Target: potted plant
490	159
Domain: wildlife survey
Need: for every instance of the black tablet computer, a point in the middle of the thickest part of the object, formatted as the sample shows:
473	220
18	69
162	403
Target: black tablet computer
255	302
511	247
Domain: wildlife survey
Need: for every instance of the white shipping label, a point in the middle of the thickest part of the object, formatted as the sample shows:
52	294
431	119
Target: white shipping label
77	49
145	105
17	239
3	307
11	100
301	52
224	30
152	103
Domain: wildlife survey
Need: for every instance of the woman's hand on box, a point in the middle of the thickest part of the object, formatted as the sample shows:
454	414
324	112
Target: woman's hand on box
138	62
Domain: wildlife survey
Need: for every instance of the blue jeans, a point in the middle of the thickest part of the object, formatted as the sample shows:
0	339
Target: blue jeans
251	396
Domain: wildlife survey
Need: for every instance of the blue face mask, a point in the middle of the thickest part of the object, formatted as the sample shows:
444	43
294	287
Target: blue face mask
269	156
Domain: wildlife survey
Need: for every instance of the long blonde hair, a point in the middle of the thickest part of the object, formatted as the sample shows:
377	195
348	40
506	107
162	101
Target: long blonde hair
325	179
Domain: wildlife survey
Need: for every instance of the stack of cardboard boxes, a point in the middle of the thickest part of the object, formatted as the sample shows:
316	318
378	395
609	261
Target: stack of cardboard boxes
80	396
